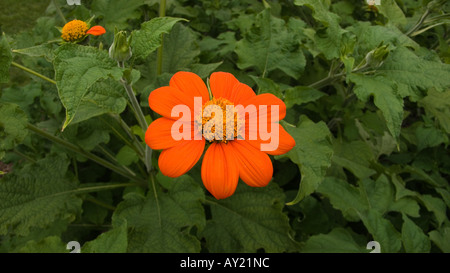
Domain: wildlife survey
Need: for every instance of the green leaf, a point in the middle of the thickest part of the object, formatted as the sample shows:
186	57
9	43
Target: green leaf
51	244
179	49
116	13
312	153
268	45
344	197
441	237
437	104
327	41
149	37
44	50
429	136
300	95
392	12
112	241
204	70
414	240
339	240
436	206
104	96
266	85
5	59
386	98
252	218
77	69
37	195
355	156
13	126
163	222
382	231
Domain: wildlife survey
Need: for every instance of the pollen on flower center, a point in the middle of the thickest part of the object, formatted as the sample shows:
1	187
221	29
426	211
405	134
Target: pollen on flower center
229	118
74	30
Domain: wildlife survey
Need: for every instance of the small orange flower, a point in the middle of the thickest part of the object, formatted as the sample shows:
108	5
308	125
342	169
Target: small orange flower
76	30
232	152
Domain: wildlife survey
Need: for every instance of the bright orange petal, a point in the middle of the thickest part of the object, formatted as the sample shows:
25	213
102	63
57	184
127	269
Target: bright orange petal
220	173
163	99
240	93
179	159
268	100
191	84
255	167
96	30
285	142
159	134
221	84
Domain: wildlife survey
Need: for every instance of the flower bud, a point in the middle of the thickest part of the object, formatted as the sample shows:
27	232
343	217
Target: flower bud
120	49
376	57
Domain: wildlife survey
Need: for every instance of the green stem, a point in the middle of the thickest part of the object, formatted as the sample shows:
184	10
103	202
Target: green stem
100	203
152	178
419	23
162	13
33	72
58	10
24	156
89	155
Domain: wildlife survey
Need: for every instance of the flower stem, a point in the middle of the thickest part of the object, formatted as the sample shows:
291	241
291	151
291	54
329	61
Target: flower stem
419	23
162	13
33	72
89	155
58	10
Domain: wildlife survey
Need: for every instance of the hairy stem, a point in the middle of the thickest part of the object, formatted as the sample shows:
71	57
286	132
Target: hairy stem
26	69
89	155
162	13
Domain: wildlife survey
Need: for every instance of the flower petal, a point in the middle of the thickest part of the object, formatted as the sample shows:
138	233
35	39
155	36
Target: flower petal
164	99
285	141
240	93
220	173
221	84
179	159
191	84
268	100
255	167
96	30
159	134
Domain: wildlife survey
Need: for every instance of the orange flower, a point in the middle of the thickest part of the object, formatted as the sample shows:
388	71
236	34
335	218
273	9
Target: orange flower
233	153
76	30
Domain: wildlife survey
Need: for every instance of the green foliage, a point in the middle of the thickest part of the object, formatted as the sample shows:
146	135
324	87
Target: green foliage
367	97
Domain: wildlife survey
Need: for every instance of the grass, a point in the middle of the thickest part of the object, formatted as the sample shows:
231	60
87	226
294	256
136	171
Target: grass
20	15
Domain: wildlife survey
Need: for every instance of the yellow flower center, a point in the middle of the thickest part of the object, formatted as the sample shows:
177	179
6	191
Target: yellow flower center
215	112
74	31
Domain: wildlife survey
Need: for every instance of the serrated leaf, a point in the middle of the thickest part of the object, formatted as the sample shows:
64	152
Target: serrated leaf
36	196
312	153
13	126
77	69
268	45
112	241
163	223
382	231
441	237
435	205
355	156
148	38
392	12
339	240
5	59
44	50
301	94
386	98
414	240
250	219
104	96
115	13
327	41
343	196
51	244
437	104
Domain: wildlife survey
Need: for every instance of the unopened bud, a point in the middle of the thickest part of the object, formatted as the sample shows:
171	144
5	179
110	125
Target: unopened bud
120	50
376	57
